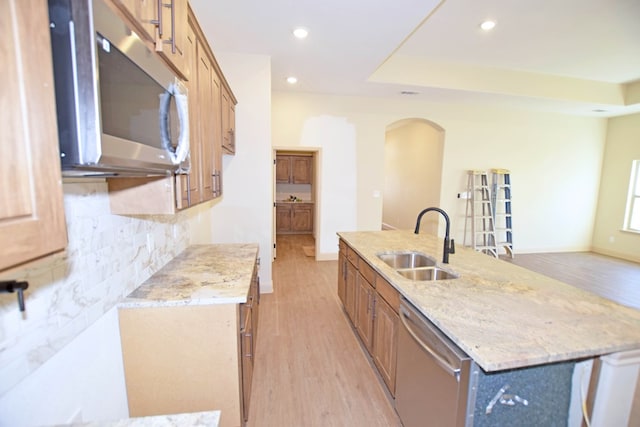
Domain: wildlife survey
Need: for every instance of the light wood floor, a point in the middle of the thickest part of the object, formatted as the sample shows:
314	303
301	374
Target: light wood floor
612	278
310	369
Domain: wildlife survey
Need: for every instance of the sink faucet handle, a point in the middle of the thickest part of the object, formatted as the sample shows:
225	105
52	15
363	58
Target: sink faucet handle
452	248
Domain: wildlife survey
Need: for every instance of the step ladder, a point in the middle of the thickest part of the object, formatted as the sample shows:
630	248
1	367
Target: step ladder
501	198
479	214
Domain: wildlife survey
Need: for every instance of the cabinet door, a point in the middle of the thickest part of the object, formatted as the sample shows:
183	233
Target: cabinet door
385	342
32	220
302	218
283	169
228	122
205	120
247	355
171	33
364	311
342	274
143	14
301	169
216	149
188	186
283	218
350	291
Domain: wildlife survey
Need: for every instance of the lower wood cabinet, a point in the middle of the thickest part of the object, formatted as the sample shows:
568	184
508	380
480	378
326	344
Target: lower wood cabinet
372	304
190	358
294	218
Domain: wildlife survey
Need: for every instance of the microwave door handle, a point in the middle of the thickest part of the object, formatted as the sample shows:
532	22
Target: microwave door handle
181	151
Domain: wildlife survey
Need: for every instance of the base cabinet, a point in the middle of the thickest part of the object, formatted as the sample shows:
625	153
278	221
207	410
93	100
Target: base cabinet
294	218
372	305
190	358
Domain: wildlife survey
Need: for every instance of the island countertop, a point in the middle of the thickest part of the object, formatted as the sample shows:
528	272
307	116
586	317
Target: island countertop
502	315
199	275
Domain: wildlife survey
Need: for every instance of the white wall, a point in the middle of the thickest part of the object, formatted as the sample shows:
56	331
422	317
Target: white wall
413	151
623	146
61	359
244	213
554	159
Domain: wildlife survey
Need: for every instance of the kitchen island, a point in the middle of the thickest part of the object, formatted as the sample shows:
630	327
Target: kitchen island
505	318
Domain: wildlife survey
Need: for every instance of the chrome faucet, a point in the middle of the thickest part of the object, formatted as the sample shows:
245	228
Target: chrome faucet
449	248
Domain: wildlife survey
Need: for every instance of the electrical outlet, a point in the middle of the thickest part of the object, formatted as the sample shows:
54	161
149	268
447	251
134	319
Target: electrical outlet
463	195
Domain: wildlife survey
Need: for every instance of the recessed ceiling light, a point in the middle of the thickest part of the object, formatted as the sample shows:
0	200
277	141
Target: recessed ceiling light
409	92
292	80
600	110
488	25
300	33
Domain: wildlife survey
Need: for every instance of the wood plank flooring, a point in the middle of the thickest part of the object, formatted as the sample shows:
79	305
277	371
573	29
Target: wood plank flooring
310	369
612	278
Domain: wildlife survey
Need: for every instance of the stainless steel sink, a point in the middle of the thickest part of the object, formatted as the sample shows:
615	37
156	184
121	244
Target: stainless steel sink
407	259
426	274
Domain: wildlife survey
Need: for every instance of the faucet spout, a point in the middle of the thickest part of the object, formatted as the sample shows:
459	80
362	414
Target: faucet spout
449	245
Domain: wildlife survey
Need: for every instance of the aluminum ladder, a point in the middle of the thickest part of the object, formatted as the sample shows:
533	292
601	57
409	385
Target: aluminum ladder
501	200
479	214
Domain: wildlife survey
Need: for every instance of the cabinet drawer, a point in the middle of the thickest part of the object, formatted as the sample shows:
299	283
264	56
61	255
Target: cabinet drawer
388	293
352	256
367	272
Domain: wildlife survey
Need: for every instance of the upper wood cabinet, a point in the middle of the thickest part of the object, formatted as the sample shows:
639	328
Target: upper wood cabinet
32	222
294	169
165	29
228	122
206	84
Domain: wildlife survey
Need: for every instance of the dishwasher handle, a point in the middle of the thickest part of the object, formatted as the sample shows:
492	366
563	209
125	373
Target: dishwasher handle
451	370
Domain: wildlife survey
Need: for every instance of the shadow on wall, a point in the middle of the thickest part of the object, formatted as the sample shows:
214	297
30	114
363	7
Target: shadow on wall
413	154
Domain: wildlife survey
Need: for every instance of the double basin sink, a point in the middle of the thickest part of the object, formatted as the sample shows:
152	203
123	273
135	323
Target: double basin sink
415	266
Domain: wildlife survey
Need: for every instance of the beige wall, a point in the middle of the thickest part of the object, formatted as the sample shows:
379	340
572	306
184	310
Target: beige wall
623	146
555	161
413	152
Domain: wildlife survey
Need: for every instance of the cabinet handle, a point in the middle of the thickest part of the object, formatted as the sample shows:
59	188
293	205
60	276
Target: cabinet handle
158	22
173	26
250	336
189	189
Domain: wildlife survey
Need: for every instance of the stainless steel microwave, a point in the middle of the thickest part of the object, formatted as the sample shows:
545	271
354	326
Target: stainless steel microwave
121	111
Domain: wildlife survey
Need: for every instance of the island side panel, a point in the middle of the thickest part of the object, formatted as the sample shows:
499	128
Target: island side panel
182	359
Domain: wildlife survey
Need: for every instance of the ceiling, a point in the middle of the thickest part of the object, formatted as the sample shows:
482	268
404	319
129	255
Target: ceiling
571	56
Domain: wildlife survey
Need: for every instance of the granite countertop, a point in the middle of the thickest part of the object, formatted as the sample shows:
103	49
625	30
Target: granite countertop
294	202
200	275
194	419
502	315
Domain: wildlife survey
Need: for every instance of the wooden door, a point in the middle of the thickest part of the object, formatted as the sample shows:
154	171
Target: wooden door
302	218
206	119
283	169
350	291
188	186
301	169
364	311
32	222
283	218
170	44
385	342
143	14
342	273
216	149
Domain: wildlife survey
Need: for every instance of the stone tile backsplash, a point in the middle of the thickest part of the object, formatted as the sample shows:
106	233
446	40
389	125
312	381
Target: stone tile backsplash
108	256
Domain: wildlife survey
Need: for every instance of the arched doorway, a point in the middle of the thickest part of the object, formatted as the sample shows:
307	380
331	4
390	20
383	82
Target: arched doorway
413	153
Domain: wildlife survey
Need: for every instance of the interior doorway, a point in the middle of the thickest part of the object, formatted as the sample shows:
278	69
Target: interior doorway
295	195
413	154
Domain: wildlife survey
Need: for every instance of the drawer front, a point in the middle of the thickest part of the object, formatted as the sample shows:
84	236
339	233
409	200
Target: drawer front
352	256
367	271
388	293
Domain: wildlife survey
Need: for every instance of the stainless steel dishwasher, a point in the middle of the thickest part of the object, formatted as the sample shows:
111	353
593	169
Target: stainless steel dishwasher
432	377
